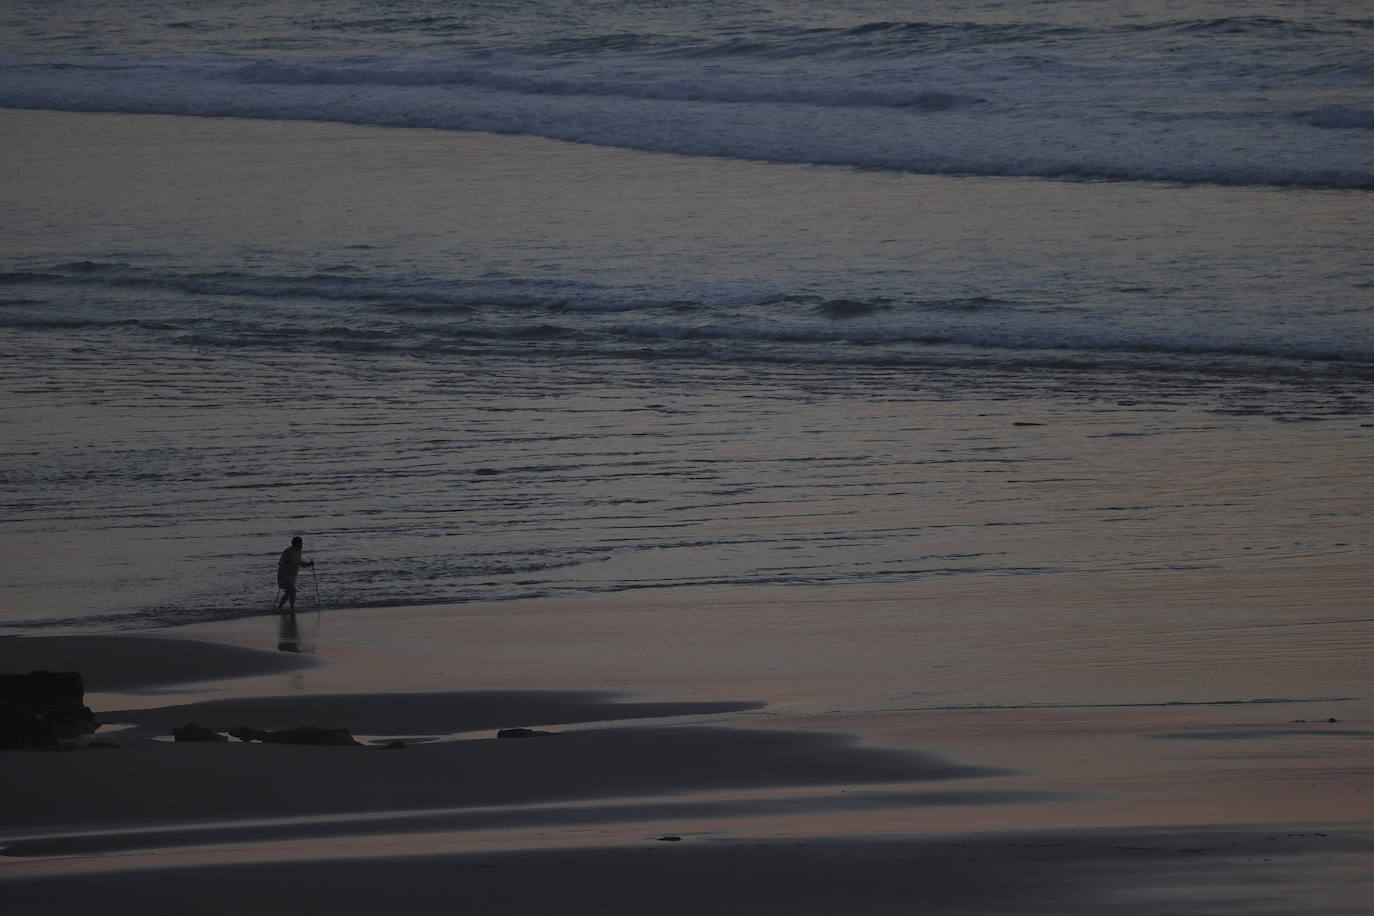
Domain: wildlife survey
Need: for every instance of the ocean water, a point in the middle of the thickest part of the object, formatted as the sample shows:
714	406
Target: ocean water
1232	92
493	301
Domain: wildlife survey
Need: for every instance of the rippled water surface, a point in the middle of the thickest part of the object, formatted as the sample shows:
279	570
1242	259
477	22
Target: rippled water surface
941	292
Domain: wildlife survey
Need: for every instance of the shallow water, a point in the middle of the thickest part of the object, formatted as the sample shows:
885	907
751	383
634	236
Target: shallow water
232	332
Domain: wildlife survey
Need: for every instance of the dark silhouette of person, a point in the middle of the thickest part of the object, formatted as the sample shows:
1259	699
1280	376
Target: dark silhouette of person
288	567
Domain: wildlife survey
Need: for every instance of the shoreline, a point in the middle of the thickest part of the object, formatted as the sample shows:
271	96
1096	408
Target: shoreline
774	809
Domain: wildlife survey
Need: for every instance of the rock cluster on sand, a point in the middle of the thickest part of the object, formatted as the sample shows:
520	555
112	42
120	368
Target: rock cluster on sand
521	733
39	709
305	734
193	732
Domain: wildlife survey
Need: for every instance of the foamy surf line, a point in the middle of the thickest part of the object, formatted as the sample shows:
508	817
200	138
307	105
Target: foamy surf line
1154	93
439	315
1025	150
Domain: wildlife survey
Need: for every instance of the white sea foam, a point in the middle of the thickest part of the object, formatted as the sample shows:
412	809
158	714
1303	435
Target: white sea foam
1276	99
439	314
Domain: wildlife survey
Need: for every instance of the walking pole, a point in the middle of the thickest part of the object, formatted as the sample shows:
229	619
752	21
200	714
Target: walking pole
316	580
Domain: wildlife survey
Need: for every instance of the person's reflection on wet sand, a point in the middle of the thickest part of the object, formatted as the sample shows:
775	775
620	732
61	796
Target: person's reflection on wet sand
288	633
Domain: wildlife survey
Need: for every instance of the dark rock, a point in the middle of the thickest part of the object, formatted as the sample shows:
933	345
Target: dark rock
39	709
670	839
521	733
23	731
305	734
193	732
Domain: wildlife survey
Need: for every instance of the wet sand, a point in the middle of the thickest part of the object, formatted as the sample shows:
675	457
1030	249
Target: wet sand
672	795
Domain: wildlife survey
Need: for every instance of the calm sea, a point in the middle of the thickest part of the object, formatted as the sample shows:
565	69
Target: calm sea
494	300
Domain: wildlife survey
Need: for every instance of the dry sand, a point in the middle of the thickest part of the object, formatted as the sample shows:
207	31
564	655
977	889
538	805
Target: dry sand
699	804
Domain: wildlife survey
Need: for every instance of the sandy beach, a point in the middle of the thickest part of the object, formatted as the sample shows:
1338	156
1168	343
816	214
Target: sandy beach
669	795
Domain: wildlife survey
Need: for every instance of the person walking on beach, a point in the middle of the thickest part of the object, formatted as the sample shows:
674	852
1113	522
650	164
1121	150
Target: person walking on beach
287	569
